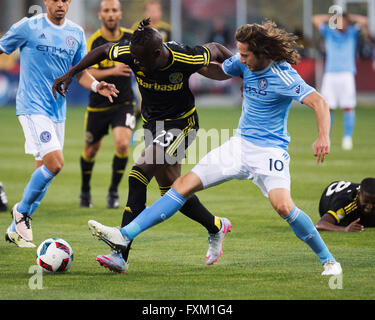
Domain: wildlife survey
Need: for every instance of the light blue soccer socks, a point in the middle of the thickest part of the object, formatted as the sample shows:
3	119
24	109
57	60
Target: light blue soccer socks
161	210
349	121
305	230
35	189
35	205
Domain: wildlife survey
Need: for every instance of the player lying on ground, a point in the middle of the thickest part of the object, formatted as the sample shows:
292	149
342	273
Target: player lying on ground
170	121
258	151
347	206
49	45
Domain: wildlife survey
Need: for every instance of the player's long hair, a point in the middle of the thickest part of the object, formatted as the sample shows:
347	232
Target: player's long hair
268	40
144	33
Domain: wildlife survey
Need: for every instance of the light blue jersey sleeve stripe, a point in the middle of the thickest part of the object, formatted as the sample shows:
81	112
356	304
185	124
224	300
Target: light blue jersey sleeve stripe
286	74
282	76
306	94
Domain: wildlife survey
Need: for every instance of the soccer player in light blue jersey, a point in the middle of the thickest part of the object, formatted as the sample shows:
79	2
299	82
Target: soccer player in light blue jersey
49	44
338	86
258	151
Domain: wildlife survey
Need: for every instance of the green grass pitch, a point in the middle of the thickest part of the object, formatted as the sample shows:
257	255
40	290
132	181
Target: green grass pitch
262	257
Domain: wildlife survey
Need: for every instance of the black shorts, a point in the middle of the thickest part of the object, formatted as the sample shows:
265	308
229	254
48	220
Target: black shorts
173	137
97	121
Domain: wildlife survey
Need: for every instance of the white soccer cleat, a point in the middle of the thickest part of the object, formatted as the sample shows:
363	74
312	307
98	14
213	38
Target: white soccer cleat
331	268
22	223
111	236
347	143
15	238
215	242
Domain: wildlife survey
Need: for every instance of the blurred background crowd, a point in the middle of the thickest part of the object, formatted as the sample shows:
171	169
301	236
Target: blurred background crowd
194	22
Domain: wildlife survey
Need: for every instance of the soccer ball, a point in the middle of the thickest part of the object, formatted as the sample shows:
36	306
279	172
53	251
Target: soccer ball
54	255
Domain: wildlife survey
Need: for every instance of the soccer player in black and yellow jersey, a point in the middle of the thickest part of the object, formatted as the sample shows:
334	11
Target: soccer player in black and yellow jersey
162	72
101	114
347	206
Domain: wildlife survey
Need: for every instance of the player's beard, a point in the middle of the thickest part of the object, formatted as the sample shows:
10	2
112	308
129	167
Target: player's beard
111	26
59	15
258	66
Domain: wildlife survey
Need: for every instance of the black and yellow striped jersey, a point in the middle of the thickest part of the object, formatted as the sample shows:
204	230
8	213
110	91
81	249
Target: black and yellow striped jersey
340	199
166	93
123	84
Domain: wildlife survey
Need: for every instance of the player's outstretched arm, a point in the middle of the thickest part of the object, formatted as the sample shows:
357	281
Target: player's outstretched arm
219	53
62	83
319	105
327	223
214	71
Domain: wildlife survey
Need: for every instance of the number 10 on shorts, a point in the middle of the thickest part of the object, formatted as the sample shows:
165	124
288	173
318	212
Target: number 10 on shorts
277	165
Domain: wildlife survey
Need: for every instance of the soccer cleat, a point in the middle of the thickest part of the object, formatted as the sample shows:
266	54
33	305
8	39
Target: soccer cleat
114	262
3	199
22	223
85	199
331	268
112	200
14	237
111	236
347	143
215	241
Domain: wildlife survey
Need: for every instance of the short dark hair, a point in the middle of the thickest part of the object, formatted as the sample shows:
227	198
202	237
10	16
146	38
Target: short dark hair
368	185
144	33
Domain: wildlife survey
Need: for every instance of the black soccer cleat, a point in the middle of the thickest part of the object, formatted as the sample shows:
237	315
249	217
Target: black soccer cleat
3	199
112	200
85	199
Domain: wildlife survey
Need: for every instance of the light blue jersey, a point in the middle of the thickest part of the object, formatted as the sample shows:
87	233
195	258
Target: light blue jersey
268	95
47	52
340	48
